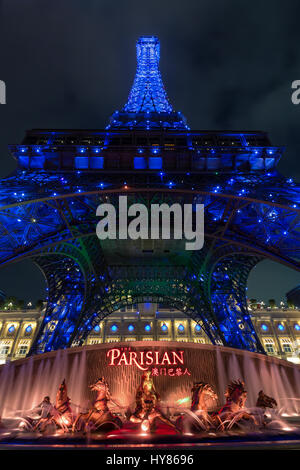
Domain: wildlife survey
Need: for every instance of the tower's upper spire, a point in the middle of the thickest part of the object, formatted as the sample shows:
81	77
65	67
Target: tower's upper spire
147	92
148	105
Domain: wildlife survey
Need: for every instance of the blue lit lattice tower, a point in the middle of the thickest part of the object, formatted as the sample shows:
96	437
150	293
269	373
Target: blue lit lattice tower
48	213
148	105
148	94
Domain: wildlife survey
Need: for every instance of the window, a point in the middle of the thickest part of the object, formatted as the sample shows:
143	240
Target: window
28	330
97	162
286	345
113	340
24	162
155	163
140	163
287	348
81	163
4	350
94	341
37	162
269	346
169	144
23	350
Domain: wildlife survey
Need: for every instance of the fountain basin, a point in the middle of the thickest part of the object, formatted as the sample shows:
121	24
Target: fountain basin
174	366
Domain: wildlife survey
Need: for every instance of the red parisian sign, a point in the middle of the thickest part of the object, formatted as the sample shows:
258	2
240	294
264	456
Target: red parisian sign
144	360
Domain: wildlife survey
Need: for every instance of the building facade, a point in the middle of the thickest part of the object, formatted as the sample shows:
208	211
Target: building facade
17	331
278	329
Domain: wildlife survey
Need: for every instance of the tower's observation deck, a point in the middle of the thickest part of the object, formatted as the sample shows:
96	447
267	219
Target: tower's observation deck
146	151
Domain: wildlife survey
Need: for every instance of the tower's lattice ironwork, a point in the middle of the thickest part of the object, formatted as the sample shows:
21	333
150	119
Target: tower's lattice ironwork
48	213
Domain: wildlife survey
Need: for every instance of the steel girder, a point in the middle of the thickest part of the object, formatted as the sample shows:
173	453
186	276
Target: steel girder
58	232
257	213
79	300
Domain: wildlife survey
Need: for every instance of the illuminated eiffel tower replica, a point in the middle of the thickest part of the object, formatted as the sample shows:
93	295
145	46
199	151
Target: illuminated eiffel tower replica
147	152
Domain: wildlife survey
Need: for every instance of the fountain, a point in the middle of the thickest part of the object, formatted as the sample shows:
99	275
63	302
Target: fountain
156	389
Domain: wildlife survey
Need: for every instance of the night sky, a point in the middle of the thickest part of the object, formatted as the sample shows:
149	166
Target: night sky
225	64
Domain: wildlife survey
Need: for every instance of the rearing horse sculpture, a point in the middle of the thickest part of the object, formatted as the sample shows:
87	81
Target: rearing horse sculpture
233	411
99	417
199	418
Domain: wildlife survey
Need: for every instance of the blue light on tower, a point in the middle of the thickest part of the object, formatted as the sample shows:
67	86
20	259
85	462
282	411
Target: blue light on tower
114	328
181	328
198	328
148	105
155	163
130	328
281	327
264	327
147	327
164	327
140	163
147	93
